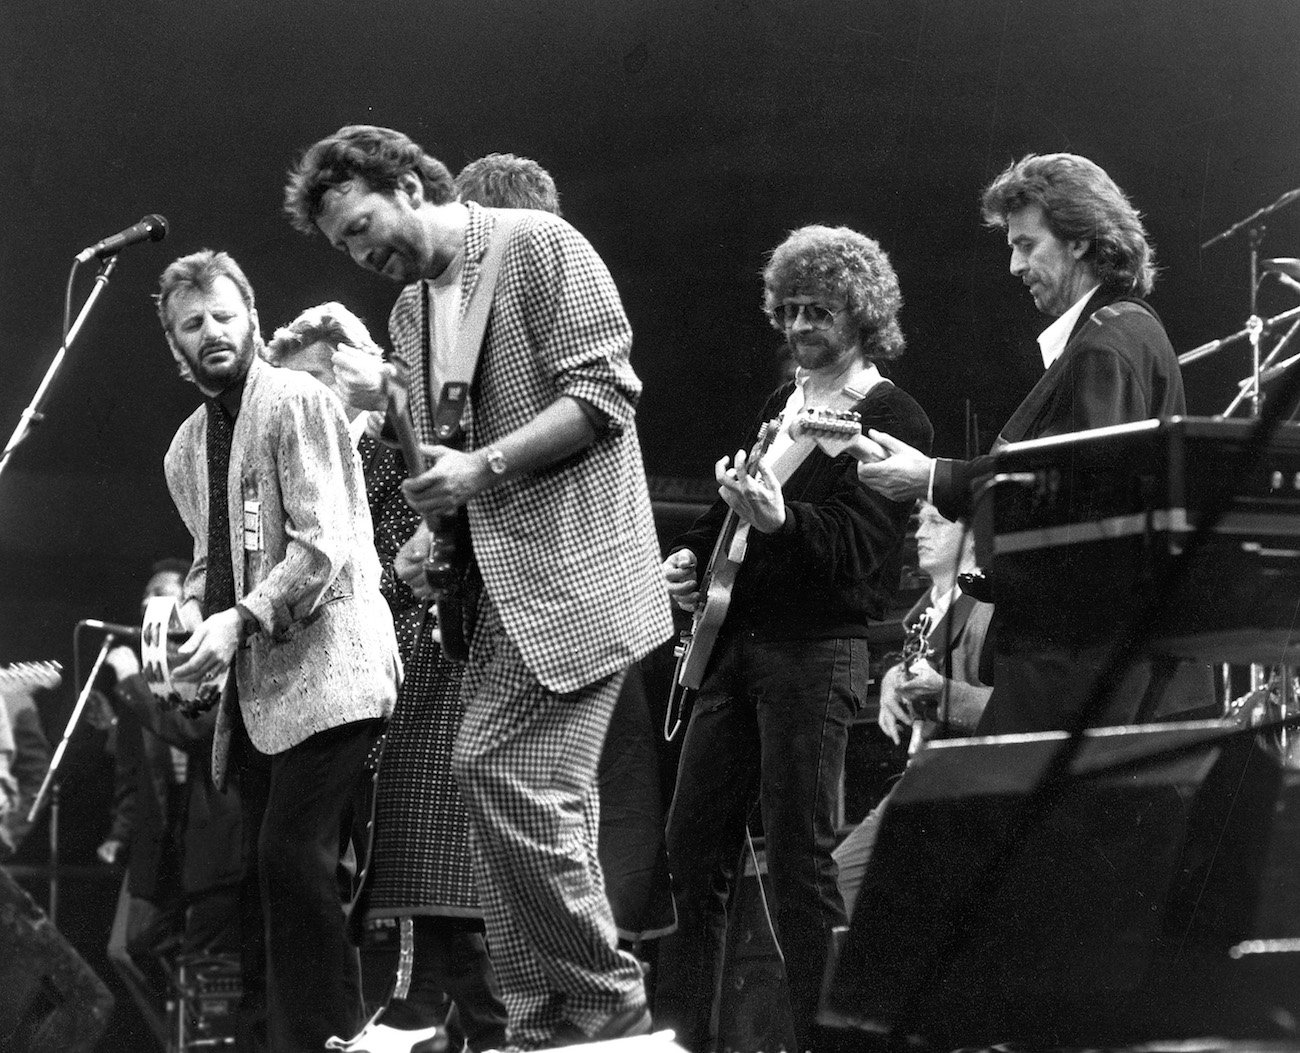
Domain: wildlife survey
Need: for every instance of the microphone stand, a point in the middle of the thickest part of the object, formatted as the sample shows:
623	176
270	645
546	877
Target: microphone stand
50	784
32	415
1255	325
1252	388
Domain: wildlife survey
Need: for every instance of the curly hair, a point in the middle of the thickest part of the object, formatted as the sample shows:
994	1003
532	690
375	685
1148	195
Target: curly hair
199	270
508	181
379	157
330	323
1080	202
839	264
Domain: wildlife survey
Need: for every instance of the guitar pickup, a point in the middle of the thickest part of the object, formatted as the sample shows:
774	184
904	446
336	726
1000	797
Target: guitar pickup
448	417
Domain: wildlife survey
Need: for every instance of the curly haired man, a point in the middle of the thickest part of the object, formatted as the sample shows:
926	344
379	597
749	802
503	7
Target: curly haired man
789	669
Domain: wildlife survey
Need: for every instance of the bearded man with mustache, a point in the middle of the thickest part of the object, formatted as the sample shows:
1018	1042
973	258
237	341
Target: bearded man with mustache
284	593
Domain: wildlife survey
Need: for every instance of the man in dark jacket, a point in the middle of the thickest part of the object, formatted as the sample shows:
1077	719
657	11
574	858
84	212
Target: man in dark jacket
1078	244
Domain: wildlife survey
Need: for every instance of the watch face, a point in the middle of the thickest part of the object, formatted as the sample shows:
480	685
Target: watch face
496	461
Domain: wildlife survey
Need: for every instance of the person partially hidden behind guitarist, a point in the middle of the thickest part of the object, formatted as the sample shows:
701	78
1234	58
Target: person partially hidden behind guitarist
934	688
559	517
1079	245
420	860
788	670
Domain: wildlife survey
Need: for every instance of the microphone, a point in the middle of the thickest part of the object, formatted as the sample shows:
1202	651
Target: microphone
1286	269
152	228
125	632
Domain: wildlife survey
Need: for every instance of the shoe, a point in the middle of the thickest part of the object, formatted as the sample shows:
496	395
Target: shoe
623	1024
381	1038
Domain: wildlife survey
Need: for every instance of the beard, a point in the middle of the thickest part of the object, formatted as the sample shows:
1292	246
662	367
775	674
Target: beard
215	377
813	353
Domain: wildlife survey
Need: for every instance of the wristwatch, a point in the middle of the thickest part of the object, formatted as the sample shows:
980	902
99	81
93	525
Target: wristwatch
496	460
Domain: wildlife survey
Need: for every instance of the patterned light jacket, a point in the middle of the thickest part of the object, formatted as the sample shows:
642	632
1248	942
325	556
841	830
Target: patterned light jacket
326	654
568	554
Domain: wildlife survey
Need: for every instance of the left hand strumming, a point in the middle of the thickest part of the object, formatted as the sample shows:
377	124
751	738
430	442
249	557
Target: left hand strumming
451	479
904	475
757	499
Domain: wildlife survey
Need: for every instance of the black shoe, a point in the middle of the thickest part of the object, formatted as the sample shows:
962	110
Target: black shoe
623	1024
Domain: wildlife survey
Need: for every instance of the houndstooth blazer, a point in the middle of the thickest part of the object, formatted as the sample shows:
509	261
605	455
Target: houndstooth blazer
326	654
568	554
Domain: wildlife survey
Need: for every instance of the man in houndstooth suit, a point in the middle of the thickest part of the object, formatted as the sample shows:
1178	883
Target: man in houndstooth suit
562	536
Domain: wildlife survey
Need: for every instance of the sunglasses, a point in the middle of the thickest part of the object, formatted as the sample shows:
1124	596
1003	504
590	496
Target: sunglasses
816	315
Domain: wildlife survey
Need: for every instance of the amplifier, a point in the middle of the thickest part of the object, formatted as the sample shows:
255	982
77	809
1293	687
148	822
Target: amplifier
1098	518
1154	898
204	1000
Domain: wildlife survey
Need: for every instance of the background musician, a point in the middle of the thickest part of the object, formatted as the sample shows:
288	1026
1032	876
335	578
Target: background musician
937	692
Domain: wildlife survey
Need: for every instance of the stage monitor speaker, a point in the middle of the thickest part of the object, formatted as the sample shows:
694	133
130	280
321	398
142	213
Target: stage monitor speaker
1117	917
50	1000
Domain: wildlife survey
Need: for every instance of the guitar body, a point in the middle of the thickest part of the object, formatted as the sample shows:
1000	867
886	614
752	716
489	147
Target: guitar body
446	569
708	619
724	565
449	544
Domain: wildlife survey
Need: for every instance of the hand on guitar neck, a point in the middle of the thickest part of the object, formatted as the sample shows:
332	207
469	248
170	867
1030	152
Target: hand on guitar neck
836	433
751	490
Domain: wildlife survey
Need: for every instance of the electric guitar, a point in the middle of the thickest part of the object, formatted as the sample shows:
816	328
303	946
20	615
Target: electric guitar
697	642
836	432
449	543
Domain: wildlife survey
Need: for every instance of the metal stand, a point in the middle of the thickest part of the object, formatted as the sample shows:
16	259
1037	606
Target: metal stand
32	415
50	784
1277	690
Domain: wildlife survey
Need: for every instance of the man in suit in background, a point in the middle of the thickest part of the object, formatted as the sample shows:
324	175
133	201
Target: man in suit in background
570	601
934	687
284	591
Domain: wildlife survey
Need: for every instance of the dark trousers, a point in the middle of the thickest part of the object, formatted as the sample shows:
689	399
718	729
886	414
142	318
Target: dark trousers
301	974
451	960
770	724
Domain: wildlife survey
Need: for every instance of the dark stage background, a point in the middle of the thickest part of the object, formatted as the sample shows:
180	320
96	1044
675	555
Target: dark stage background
686	137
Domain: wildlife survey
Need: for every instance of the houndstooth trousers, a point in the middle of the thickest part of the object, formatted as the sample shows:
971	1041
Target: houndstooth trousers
526	761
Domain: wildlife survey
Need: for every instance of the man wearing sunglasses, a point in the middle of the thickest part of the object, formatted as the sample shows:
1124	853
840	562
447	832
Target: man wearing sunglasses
1079	246
789	669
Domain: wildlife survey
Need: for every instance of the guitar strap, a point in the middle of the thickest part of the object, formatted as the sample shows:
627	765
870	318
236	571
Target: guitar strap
463	361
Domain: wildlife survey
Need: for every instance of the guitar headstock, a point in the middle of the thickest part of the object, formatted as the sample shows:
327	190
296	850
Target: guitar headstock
29	676
836	432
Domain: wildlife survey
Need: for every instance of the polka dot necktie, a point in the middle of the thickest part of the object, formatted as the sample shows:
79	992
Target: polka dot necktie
219	593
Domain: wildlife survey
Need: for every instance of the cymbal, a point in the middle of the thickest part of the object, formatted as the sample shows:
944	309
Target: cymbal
1288	265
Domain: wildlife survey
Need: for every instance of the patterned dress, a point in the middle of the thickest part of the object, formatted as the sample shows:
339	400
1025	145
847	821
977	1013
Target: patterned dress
421	862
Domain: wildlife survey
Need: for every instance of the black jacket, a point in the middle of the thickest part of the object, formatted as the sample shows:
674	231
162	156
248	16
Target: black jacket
834	564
